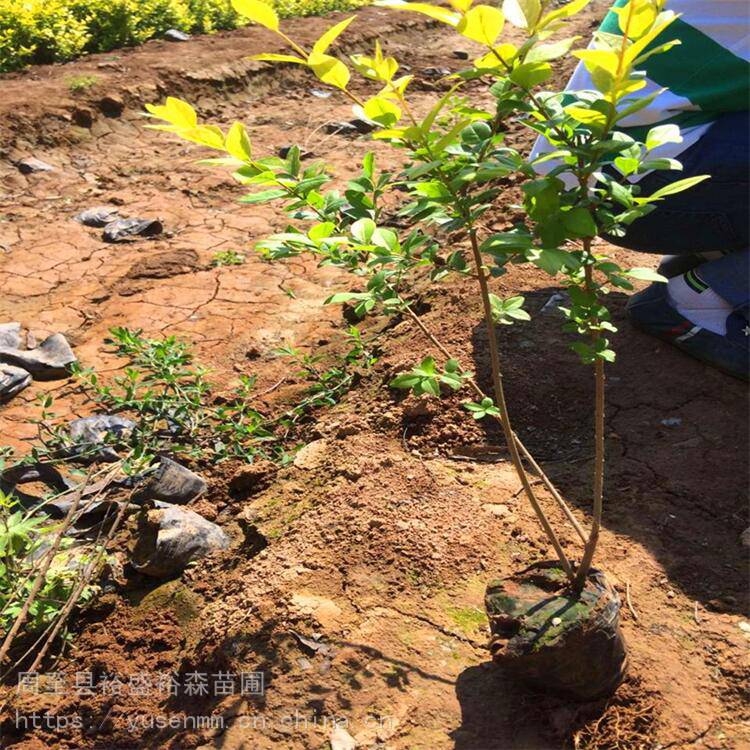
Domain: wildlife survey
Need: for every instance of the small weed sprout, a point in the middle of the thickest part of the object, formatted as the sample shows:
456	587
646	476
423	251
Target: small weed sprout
81	84
228	258
456	155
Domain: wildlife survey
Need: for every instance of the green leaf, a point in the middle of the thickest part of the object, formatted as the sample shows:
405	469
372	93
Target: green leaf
646	274
341	297
546	52
263	196
404	381
552	260
386	238
322	230
662	134
529	75
580	222
675	187
476	133
362	230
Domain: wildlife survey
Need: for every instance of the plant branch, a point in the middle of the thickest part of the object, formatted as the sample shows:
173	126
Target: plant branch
500	401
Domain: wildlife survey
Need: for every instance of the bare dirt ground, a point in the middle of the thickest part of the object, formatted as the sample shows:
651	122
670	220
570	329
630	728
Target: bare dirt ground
383	535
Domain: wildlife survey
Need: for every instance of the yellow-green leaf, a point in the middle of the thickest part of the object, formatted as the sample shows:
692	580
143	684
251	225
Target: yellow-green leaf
482	24
522	13
331	35
329	70
505	53
567	10
382	111
589	117
433	11
637	48
206	135
636	18
237	143
270	57
602	65
175	111
461	5
258	12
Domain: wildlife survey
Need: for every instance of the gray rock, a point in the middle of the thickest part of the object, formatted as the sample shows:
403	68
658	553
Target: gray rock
436	72
170	537
10	335
123	230
460	54
175	35
364	126
341	128
48	361
31	165
99	216
12	381
173	483
95	438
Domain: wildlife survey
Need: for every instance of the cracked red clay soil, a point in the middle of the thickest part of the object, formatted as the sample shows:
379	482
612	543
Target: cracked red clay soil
381	540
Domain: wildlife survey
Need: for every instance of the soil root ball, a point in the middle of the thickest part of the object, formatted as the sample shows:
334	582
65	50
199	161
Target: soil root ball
554	640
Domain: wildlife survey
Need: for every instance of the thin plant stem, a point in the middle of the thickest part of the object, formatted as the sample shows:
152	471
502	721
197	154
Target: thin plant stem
599	381
505	418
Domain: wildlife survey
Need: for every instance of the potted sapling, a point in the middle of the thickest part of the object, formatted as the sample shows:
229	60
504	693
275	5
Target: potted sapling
555	624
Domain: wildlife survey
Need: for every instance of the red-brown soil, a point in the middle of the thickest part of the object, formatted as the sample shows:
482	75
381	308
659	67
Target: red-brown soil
383	535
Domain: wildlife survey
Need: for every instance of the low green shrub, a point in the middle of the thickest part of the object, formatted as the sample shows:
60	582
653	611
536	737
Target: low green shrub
46	31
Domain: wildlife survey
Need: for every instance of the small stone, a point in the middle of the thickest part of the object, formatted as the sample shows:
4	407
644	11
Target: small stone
310	456
341	128
556	621
744	626
48	361
31	165
173	483
320	94
123	230
497	509
12	381
99	216
435	72
364	126
460	54
170	537
745	537
95	438
10	335
175	35
671	422
552	305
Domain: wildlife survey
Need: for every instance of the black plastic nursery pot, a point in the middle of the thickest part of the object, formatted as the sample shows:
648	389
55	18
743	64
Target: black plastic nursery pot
545	635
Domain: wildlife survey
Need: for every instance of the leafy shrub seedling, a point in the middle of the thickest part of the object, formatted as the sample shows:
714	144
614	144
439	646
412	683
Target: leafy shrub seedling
456	155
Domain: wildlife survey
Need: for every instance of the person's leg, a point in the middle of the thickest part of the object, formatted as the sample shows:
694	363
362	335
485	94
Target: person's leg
705	230
711	217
